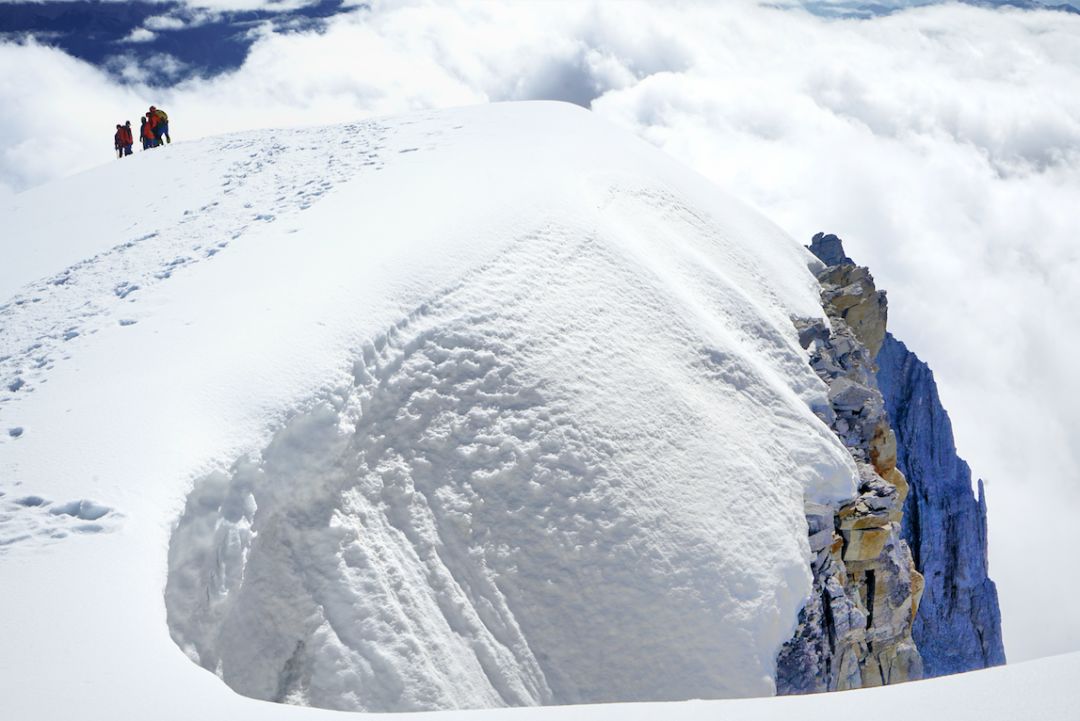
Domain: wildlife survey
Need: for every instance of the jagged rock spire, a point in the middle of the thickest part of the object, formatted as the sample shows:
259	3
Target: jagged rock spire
958	627
829	249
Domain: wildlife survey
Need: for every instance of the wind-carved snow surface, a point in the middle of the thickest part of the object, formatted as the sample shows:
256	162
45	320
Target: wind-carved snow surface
518	416
550	484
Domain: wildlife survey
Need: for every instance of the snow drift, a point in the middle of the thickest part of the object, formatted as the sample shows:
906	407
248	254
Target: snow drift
494	406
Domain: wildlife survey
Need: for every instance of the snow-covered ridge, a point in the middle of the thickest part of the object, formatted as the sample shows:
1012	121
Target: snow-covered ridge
483	407
75	267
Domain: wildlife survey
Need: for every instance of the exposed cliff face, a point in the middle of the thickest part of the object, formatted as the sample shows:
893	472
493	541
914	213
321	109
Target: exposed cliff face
958	627
881	613
856	629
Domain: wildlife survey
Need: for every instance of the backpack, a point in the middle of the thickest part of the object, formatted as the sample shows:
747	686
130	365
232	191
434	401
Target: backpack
162	116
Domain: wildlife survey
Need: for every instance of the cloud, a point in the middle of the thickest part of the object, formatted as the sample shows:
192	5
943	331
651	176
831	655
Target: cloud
242	5
943	143
164	22
140	35
146	69
156	24
40	90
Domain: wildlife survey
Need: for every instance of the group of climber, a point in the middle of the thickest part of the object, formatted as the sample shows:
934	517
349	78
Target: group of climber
153	132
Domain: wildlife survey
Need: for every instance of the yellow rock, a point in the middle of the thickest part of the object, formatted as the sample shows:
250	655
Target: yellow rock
844	302
883	450
897	479
867	322
864	522
866	544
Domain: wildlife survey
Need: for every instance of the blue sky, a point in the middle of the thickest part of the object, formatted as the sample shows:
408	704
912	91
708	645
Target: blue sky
198	40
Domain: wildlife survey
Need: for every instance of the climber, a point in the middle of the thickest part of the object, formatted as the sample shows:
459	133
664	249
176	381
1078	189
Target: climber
151	123
146	133
118	140
128	140
160	122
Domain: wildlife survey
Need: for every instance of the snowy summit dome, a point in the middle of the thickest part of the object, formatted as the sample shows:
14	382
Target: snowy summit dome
493	406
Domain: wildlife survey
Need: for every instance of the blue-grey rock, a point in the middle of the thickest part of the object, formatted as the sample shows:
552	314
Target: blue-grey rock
846	395
829	249
958	625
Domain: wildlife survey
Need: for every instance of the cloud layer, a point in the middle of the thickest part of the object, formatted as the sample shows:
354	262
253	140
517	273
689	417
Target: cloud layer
943	144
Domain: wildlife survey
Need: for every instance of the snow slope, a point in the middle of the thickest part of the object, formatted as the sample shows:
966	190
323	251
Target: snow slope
493	406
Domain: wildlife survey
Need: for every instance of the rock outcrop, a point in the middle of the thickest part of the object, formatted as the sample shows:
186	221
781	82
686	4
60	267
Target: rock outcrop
958	627
848	294
856	629
900	572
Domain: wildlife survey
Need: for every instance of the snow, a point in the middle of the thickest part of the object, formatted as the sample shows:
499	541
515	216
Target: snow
492	406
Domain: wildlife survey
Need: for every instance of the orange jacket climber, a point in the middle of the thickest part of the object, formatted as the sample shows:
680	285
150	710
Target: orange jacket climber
160	124
147	133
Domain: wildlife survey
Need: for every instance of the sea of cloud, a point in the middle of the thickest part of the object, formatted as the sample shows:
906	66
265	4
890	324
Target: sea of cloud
942	143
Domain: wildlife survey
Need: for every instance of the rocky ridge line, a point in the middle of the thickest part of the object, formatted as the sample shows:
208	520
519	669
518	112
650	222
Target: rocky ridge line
856	629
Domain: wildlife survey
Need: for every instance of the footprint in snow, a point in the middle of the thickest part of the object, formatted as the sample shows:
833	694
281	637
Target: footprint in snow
32	518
